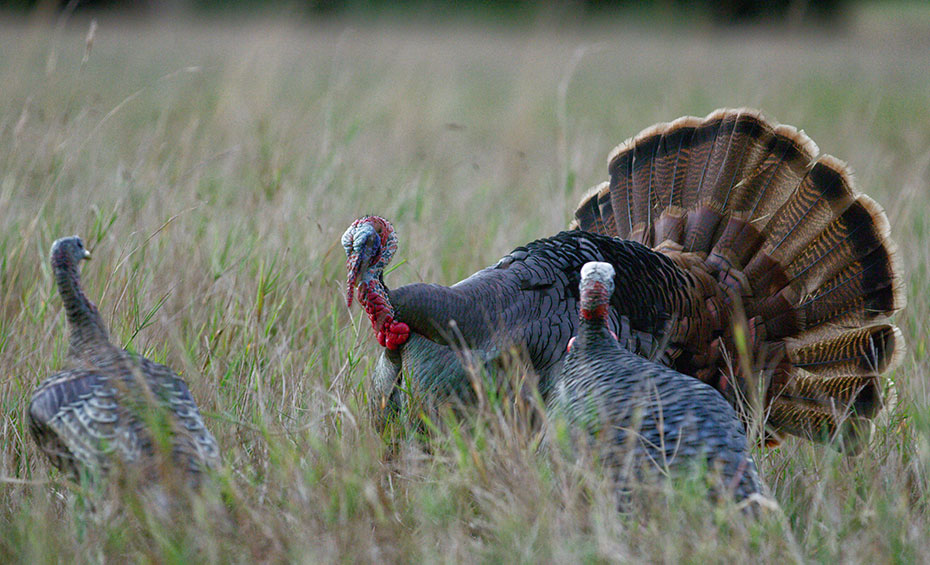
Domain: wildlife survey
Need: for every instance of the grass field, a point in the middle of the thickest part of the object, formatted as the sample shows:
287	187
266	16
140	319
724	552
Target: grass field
212	171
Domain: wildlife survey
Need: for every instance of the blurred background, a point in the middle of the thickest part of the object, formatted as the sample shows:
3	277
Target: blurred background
721	12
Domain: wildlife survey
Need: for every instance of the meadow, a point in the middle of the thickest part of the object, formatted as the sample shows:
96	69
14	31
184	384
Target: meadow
212	169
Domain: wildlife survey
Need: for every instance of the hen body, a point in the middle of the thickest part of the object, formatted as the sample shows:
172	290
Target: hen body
112	408
644	419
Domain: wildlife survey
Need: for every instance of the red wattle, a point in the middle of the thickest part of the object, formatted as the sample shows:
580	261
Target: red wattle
388	332
397	334
393	334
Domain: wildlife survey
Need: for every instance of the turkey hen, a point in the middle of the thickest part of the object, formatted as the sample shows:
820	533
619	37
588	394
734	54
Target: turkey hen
644	419
113	409
742	259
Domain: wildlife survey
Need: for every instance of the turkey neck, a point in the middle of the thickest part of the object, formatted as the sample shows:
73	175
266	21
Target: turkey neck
431	309
593	314
593	333
86	327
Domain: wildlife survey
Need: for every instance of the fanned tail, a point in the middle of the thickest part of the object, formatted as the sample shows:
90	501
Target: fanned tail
808	259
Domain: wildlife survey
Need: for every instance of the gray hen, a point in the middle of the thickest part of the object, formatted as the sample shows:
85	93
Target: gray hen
112	408
646	418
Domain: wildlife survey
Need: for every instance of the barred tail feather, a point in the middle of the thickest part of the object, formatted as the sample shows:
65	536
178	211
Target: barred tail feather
864	351
846	431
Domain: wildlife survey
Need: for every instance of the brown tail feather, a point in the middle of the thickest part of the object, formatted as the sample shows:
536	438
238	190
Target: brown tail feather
787	237
848	432
860	394
595	212
859	230
864	292
865	351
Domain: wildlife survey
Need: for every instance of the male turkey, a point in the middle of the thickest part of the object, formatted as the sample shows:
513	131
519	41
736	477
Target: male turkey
741	259
644	419
112	408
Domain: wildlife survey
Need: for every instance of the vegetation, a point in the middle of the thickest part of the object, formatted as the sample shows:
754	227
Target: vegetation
212	172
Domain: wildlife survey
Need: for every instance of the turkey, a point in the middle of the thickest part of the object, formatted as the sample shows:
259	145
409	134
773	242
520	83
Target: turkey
112	409
742	259
644	419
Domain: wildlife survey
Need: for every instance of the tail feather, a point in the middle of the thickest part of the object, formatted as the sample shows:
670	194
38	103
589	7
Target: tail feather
595	211
821	195
864	352
620	190
858	231
780	157
703	140
843	394
645	199
787	237
848	432
864	292
732	149
788	155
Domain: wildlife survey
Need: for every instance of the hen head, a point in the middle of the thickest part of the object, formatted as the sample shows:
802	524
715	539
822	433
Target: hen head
597	285
69	249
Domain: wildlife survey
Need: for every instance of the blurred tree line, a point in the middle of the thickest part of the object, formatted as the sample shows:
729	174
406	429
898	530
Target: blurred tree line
719	11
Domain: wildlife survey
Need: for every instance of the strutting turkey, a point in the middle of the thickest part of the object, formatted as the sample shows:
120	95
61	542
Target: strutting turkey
645	420
742	259
112	408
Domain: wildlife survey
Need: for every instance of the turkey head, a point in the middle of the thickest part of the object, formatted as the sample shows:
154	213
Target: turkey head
369	243
69	249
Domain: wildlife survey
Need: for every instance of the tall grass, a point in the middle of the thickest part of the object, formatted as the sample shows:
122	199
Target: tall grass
212	171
